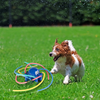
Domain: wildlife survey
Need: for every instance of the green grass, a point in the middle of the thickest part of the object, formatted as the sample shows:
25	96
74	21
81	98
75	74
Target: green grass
33	44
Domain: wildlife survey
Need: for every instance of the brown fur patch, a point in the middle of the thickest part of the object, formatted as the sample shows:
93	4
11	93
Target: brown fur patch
70	61
64	44
74	52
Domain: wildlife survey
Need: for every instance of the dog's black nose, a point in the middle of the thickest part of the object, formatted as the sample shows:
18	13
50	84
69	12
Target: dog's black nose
50	54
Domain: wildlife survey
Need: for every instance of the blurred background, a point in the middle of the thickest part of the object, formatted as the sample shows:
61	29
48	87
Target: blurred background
49	12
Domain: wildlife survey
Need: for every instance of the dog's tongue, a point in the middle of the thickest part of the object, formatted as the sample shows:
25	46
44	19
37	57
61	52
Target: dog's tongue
55	58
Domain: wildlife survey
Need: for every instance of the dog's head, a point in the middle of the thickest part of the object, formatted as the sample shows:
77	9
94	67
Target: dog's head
60	50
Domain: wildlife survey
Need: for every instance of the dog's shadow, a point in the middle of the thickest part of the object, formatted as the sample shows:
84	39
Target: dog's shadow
72	80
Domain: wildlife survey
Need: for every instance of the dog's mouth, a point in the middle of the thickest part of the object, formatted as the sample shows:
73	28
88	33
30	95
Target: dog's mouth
56	58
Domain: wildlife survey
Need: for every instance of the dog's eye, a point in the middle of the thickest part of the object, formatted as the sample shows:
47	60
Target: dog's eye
57	49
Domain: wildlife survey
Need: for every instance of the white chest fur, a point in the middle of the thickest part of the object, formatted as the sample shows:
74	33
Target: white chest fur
61	67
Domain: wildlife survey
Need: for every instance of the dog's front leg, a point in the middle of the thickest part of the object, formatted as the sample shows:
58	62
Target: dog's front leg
54	70
67	76
66	79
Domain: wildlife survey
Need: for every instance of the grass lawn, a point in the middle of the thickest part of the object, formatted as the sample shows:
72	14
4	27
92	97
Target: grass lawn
33	44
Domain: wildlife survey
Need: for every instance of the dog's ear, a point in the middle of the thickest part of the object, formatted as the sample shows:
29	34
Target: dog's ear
64	44
56	41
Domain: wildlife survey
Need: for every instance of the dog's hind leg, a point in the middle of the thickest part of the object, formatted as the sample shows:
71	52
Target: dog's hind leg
80	72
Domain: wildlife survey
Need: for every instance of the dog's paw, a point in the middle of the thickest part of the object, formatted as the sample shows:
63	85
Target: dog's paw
65	82
52	72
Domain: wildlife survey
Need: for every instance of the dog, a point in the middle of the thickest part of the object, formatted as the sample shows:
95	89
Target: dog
67	61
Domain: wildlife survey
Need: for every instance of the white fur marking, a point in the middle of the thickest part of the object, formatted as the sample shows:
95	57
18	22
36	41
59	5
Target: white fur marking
53	52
